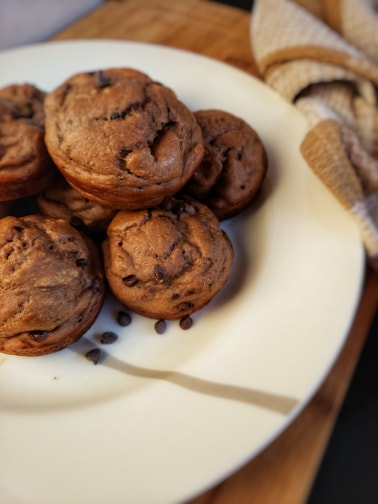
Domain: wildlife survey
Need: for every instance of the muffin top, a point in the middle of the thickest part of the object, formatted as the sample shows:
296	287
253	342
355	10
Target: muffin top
169	261
51	283
22	101
121	138
233	167
25	166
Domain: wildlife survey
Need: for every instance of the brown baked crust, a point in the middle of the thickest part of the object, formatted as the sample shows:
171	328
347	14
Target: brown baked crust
169	261
51	283
22	101
60	201
25	166
233	167
120	138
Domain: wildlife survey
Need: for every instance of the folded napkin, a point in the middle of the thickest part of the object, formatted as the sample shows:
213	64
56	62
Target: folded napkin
322	55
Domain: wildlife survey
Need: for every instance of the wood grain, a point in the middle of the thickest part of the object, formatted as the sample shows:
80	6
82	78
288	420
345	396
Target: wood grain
193	25
284	472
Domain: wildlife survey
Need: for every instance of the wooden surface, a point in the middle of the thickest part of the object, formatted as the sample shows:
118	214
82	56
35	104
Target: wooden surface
284	472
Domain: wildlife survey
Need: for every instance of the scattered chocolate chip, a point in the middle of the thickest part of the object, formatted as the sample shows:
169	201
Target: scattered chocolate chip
108	337
93	355
186	322
160	326
124	318
130	280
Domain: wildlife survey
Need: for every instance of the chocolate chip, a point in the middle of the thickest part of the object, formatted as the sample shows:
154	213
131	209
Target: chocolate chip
101	80
185	305
39	336
66	239
116	115
159	273
96	285
81	262
186	322
108	337
93	355
124	153
179	207
124	318
160	326
239	153
130	280
128	110
76	221
121	164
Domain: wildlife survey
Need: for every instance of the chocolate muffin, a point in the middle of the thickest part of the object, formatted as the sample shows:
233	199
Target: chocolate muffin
61	201
169	261
120	138
233	167
22	101
25	166
51	285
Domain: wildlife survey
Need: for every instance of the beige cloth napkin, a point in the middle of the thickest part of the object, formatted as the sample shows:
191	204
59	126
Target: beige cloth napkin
322	55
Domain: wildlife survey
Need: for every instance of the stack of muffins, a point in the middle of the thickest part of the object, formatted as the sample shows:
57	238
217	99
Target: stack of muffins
128	187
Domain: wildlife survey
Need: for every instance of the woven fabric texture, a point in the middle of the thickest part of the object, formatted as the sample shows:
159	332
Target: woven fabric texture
322	55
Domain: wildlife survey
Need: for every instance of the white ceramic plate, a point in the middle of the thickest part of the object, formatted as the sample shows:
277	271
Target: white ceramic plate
163	417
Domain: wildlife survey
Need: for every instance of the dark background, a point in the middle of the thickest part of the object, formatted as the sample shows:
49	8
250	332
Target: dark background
349	471
242	4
